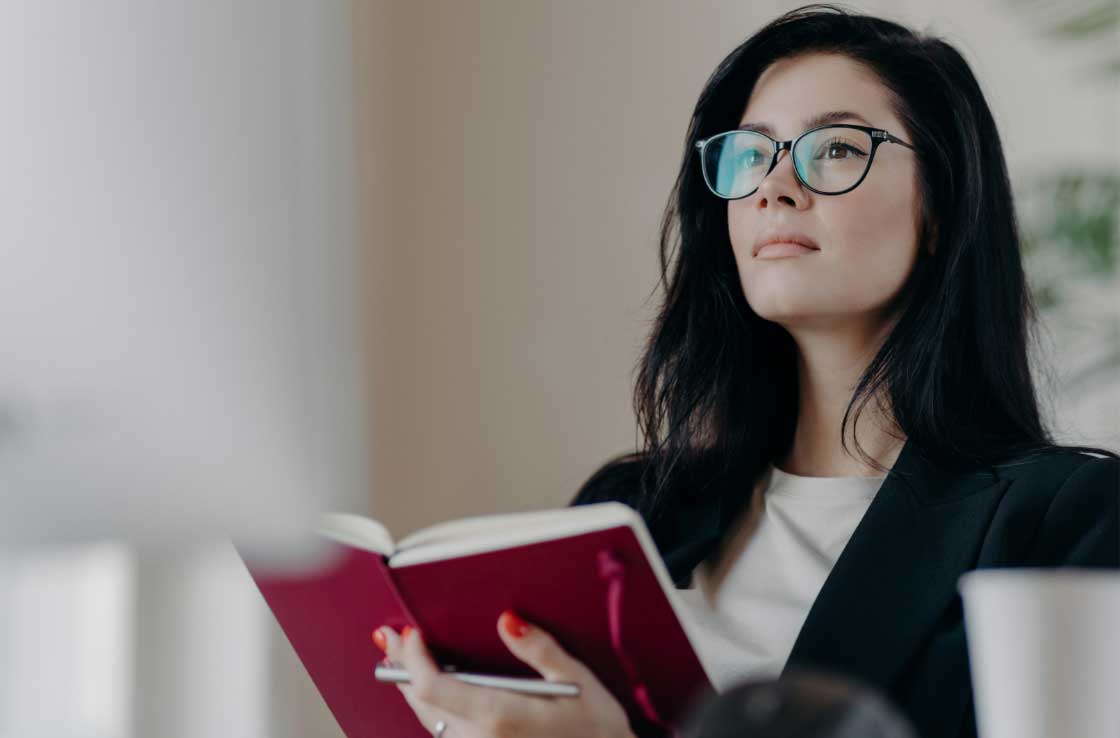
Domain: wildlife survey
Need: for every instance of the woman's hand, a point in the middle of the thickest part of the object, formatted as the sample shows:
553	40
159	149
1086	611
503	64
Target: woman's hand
472	711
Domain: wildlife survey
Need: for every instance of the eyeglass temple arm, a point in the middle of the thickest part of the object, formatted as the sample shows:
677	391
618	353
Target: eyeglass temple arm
888	137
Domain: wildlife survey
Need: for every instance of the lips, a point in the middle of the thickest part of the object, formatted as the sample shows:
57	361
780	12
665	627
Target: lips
785	237
783	250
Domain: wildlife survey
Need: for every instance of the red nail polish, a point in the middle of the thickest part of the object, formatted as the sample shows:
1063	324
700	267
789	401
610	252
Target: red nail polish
379	640
514	625
406	631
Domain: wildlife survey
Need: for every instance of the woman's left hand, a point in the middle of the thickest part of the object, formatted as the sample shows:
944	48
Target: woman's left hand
472	711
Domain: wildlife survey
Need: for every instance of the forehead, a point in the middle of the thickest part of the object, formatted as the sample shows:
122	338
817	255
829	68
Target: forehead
794	89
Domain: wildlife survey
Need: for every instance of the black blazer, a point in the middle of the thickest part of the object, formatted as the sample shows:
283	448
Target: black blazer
889	613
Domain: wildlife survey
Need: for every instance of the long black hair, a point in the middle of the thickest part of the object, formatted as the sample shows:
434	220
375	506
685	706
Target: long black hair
716	396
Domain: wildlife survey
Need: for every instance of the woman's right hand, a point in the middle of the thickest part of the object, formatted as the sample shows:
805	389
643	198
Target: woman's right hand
472	711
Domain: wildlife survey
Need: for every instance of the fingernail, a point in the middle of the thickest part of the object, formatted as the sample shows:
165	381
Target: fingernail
379	640
514	625
406	631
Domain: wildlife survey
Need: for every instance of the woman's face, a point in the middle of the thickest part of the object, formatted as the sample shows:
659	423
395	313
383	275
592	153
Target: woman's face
867	237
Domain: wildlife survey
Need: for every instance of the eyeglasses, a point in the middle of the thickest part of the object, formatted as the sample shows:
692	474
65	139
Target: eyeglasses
829	160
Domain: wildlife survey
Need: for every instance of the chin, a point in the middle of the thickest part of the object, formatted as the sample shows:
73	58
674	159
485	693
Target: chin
786	321
779	312
776	301
793	307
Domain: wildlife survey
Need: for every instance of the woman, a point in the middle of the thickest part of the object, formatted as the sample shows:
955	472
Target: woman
843	246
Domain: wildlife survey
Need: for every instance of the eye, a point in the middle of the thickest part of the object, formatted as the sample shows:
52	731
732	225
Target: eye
838	149
753	157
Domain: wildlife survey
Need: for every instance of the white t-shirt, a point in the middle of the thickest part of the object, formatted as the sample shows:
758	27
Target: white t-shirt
779	553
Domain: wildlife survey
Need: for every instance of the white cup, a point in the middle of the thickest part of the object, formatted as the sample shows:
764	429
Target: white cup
1044	649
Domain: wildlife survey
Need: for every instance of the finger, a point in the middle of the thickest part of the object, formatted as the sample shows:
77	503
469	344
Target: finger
536	647
428	714
390	642
431	686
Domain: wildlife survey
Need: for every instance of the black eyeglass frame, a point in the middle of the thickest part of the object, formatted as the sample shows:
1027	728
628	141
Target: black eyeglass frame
878	136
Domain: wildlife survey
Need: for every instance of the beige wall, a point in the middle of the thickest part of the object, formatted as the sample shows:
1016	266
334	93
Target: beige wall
517	159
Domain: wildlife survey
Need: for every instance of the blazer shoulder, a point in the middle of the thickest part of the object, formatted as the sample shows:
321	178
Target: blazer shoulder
1047	467
1076	497
1070	473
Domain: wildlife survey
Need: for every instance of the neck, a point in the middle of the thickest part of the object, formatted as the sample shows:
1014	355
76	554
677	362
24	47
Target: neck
829	364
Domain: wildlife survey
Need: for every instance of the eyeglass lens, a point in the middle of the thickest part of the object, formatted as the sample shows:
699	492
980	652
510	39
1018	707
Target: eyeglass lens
829	160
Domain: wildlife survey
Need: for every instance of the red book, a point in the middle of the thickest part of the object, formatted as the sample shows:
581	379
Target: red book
590	575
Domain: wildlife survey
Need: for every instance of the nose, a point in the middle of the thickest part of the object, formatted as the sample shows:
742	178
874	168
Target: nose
781	185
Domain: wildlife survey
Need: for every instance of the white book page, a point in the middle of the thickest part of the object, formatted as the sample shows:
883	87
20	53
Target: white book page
357	531
476	533
479	526
494	532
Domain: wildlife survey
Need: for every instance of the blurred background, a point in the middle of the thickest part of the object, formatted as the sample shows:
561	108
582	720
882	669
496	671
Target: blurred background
268	257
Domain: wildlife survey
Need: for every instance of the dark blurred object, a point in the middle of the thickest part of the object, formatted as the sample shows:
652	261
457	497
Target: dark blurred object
803	704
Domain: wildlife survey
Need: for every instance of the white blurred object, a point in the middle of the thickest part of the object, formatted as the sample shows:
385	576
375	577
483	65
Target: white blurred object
180	297
181	350
65	647
1044	650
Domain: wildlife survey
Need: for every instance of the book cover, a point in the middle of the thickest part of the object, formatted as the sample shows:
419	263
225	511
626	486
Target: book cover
603	593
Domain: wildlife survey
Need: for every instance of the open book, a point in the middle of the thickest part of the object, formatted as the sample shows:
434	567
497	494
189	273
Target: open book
590	575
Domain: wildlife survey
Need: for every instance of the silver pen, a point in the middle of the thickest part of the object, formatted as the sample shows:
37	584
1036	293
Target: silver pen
388	672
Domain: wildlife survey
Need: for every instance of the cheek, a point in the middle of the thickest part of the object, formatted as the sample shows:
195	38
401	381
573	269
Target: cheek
877	248
743	226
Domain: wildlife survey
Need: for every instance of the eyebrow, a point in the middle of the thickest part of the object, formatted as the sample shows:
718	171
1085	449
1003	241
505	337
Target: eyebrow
821	119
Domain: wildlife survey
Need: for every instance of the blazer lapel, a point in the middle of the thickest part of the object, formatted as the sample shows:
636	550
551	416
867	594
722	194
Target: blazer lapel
899	570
